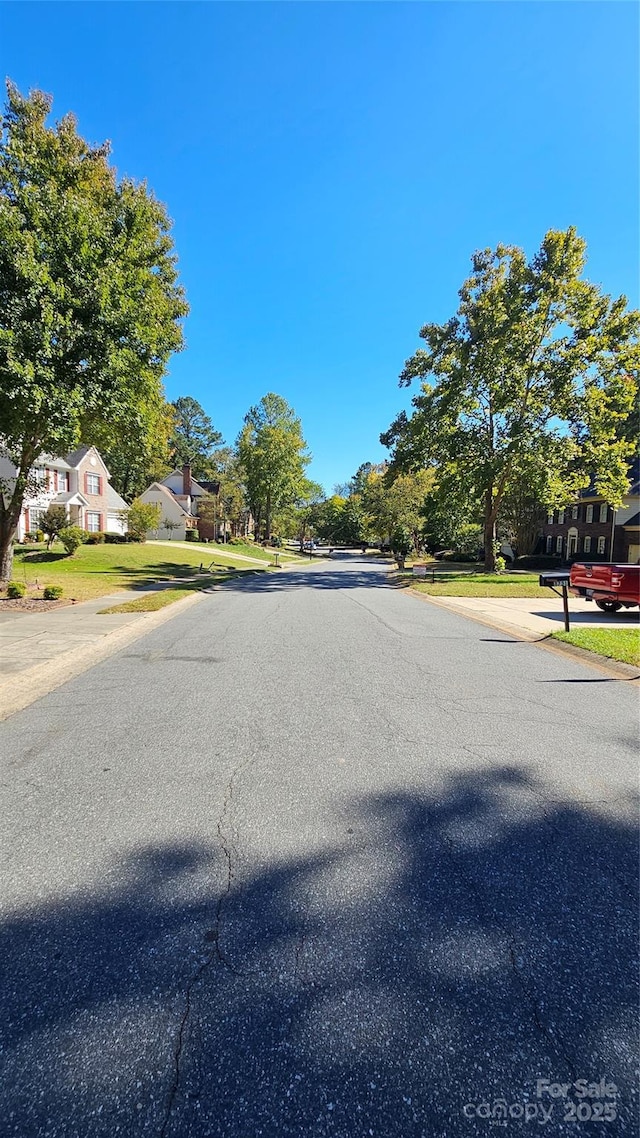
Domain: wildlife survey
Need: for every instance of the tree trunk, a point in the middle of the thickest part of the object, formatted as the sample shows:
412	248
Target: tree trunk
489	533
7	533
267	519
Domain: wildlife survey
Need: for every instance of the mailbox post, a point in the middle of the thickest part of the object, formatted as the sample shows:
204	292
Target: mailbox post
560	578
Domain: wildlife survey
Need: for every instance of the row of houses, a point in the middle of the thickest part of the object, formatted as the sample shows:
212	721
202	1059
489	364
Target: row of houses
81	482
589	529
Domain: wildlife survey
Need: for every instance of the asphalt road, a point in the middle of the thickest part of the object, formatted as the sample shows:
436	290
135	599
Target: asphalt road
319	858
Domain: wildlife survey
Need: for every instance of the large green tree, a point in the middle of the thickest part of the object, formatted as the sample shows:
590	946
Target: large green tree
194	438
538	366
135	460
273	456
90	306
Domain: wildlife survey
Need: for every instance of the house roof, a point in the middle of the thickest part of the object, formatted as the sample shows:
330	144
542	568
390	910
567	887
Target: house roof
75	457
197	489
633	522
114	501
70	498
53	460
167	493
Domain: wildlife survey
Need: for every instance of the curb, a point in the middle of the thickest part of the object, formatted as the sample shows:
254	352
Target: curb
17	692
603	663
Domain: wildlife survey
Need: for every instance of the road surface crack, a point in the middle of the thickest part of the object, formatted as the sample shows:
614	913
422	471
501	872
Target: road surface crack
215	954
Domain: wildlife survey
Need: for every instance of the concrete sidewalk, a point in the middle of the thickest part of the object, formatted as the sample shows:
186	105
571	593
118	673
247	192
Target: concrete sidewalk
40	651
533	618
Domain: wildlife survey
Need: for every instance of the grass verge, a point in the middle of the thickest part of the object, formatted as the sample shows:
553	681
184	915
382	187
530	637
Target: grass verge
616	643
153	601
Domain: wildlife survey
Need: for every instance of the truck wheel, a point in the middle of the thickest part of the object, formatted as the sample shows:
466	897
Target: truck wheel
609	606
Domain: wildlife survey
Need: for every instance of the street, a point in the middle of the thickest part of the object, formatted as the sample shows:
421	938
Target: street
317	857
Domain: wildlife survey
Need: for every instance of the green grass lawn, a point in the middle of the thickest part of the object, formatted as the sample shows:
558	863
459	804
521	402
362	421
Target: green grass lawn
616	643
94	570
249	549
466	583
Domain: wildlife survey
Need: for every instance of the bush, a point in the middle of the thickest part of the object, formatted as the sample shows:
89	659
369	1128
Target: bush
455	555
501	564
52	592
52	521
115	538
537	561
135	538
142	518
15	590
191	535
94	538
30	537
71	537
39	536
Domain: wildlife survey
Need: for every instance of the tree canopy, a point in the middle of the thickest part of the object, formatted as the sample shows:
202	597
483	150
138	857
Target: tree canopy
273	456
538	368
194	438
90	305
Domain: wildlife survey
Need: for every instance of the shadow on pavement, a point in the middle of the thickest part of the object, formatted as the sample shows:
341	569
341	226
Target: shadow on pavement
491	942
341	572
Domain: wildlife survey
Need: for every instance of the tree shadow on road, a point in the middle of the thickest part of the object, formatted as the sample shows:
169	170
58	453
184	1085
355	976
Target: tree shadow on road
440	951
355	573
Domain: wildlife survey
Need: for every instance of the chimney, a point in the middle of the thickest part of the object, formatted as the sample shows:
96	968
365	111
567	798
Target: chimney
186	479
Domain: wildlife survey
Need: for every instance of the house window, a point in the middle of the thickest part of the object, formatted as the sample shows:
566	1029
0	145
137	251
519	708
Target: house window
574	512
559	543
92	522
602	541
560	517
63	480
549	543
604	509
588	517
586	545
550	518
35	517
93	483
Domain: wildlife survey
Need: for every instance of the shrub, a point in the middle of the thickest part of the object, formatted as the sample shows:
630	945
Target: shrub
537	561
39	536
15	590
94	538
142	518
455	555
191	535
52	592
29	536
135	538
52	521
71	537
501	564
115	538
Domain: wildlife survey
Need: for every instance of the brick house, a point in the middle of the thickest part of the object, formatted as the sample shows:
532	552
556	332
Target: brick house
80	482
591	530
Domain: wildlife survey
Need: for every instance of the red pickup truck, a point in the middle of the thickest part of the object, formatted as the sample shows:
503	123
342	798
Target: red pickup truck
612	587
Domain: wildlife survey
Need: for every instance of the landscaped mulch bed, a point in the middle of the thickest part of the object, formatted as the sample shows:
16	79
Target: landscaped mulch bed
31	604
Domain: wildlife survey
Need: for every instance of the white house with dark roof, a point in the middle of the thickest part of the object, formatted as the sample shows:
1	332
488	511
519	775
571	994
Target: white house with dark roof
178	496
79	481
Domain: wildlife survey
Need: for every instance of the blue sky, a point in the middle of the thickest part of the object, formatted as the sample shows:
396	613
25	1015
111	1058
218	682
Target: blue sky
331	167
